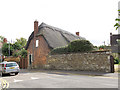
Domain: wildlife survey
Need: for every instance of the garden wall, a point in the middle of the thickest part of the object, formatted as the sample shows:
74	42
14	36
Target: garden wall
80	61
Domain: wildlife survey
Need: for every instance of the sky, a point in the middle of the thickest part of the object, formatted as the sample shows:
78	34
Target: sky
94	19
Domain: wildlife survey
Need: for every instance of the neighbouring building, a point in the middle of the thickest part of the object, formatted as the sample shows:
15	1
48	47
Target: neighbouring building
43	39
1	44
115	42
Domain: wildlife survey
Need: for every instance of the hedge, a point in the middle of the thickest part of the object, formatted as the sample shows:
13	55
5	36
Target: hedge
74	46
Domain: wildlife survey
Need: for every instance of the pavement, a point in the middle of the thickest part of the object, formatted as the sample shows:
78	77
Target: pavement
88	73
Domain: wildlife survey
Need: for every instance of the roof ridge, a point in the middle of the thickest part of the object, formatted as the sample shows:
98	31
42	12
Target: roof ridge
55	28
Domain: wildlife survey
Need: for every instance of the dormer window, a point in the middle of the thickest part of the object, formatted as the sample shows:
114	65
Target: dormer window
37	42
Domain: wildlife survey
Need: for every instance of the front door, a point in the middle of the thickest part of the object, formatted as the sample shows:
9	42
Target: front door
30	59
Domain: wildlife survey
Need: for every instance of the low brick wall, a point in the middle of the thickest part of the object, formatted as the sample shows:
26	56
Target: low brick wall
80	61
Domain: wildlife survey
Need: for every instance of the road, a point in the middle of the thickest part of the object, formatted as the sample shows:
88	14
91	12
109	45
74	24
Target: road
52	80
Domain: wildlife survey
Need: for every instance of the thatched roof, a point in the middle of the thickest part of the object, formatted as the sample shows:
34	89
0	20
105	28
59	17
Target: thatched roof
55	37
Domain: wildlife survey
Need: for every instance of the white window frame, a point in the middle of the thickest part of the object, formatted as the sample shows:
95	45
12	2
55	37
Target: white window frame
37	43
31	58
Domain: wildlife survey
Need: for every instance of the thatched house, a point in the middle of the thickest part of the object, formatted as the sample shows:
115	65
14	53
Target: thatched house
43	39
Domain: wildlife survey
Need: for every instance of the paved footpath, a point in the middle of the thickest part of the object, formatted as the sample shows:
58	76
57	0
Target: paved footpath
90	73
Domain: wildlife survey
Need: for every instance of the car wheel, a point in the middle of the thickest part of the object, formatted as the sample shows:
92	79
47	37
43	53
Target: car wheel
16	73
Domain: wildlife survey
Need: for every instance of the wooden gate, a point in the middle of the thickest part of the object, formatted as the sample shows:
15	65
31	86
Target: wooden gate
23	63
112	64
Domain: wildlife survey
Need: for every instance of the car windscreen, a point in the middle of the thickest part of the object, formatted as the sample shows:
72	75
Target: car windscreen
11	64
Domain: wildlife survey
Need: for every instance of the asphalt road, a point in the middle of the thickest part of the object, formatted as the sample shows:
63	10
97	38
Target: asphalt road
52	80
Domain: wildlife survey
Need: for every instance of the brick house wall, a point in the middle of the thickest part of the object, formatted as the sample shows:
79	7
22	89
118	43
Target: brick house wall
38	53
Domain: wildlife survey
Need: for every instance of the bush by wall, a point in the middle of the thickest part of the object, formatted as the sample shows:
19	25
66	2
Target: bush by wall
74	46
116	61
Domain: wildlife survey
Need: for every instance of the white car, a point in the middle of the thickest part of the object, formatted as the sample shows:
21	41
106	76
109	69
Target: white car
8	68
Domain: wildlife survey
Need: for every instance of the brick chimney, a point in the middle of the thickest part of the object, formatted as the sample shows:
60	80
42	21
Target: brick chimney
5	40
35	27
77	33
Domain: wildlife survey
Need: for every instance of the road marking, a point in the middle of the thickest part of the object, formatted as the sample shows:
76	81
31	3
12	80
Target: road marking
34	78
17	80
4	84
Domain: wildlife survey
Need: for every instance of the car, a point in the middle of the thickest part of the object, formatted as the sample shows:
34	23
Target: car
8	68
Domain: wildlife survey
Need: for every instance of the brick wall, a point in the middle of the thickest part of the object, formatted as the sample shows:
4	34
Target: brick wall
39	53
80	61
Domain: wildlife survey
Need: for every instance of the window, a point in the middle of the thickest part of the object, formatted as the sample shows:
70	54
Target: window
11	64
37	43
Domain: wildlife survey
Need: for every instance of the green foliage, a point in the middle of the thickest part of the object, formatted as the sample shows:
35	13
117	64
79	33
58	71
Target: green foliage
74	46
23	53
16	46
117	19
80	46
5	49
16	49
16	53
21	42
95	47
117	24
59	50
102	47
116	61
1	38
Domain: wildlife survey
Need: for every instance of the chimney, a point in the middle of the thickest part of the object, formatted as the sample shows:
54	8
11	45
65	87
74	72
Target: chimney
110	34
111	40
77	33
5	40
35	27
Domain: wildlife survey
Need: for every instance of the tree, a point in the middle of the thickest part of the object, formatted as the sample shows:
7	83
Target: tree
102	47
16	46
16	49
1	38
7	49
117	25
20	43
23	53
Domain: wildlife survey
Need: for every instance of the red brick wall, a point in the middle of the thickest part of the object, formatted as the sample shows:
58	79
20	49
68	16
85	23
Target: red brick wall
39	52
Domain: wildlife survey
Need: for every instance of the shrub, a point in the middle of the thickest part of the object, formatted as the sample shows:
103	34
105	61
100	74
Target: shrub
80	46
23	53
116	61
74	46
101	47
16	54
59	50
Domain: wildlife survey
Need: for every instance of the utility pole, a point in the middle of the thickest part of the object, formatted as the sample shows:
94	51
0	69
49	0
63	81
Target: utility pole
9	50
104	43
